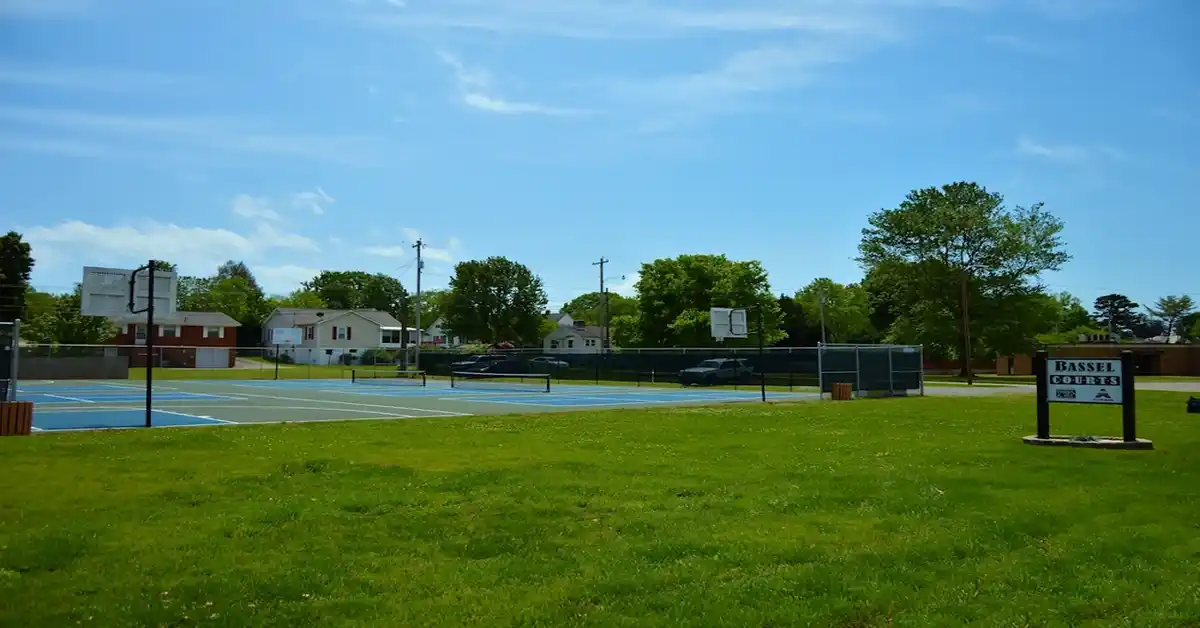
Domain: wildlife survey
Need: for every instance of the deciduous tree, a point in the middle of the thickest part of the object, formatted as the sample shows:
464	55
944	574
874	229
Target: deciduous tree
16	264
63	324
676	294
590	307
947	250
846	309
1169	310
495	300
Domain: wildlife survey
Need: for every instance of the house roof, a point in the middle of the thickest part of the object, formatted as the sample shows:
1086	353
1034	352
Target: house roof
557	316
301	316
590	331
213	319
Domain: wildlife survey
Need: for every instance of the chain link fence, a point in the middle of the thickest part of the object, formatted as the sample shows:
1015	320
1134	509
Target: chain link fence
890	369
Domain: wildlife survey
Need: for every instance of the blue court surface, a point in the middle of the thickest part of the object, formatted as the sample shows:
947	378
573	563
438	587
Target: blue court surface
86	405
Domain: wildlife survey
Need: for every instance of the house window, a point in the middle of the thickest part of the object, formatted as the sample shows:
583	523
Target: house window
310	333
590	342
214	332
570	343
169	331
139	333
389	336
553	344
341	333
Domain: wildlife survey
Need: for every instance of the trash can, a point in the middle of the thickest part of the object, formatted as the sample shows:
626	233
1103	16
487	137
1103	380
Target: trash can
16	418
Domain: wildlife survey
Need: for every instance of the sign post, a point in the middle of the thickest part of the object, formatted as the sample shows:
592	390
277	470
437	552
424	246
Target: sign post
1096	381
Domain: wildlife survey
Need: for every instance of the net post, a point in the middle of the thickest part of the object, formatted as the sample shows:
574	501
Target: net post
276	361
353	376
547	383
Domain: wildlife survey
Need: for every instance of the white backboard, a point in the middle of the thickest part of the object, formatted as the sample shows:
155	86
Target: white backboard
285	336
106	292
728	322
1083	380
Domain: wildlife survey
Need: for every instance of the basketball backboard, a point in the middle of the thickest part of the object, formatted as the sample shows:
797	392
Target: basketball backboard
285	336
728	323
106	292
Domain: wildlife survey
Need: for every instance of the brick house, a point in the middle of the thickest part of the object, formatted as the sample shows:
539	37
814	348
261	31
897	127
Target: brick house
186	340
1148	358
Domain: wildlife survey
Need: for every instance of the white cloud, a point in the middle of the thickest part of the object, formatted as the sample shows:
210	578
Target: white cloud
46	9
386	251
282	279
196	136
194	249
316	201
88	79
248	206
600	19
474	88
1067	153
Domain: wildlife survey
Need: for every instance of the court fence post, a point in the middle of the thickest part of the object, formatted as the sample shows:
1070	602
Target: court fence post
857	373
820	370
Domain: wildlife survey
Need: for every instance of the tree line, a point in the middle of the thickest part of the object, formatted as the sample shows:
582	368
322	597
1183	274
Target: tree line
951	268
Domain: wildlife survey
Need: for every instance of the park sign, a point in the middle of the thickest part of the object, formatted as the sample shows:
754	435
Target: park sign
1084	380
1101	381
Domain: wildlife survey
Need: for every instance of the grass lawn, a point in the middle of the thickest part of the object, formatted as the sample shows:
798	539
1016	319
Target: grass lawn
903	512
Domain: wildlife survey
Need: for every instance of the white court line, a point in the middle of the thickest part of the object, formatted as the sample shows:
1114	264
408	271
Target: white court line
65	397
192	416
351	403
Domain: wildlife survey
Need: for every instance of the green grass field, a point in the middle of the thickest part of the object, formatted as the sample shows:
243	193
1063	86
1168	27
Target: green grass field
903	512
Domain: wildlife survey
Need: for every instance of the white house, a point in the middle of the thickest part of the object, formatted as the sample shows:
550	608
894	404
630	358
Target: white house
327	334
574	337
435	334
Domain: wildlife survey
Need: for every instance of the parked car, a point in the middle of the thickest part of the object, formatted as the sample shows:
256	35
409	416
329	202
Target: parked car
547	362
476	362
716	372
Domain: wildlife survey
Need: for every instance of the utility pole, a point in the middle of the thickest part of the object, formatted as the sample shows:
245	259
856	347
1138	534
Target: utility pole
823	316
420	266
604	306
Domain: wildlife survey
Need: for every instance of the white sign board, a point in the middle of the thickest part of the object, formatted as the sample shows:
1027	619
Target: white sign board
1083	380
286	336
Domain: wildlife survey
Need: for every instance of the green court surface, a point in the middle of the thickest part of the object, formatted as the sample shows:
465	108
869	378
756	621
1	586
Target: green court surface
76	405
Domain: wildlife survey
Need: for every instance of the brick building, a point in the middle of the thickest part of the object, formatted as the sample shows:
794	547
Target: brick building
1150	359
186	340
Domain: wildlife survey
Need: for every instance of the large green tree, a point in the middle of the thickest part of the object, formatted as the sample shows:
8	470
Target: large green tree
1116	313
1170	310
61	322
300	298
350	290
495	300
590	307
846	308
433	305
1189	327
801	330
676	294
945	252
16	264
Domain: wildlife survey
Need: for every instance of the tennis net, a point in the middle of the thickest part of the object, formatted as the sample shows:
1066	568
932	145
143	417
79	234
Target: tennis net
387	377
519	382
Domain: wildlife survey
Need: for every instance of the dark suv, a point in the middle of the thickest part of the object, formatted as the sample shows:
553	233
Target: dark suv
716	372
477	362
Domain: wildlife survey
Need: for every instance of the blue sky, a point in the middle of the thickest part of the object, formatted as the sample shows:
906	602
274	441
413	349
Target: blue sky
329	134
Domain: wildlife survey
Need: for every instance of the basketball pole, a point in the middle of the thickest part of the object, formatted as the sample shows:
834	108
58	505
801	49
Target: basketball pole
149	332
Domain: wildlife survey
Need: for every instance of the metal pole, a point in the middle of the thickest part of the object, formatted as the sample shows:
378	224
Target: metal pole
823	341
277	361
762	368
14	373
417	352
150	347
1128	402
921	358
857	373
820	370
603	315
1043	394
891	373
